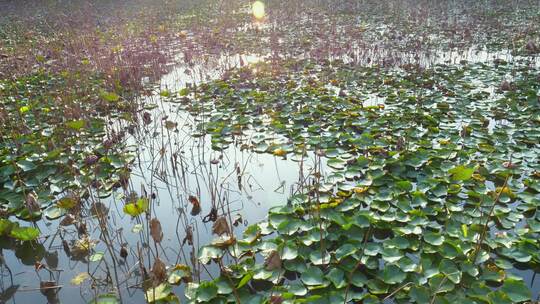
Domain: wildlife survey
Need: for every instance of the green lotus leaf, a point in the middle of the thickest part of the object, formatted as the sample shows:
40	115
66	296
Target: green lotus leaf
516	290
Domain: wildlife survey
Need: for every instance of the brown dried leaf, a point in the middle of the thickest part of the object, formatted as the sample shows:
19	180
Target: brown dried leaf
99	209
123	252
44	286
38	266
159	271
193	200
49	289
155	230
69	219
273	261
170	125
531	46
276	299
211	217
147	118
221	226
506	86
31	202
196	205
82	229
238	220
65	245
189	236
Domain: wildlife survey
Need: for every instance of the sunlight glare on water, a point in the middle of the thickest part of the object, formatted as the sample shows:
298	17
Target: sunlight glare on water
258	9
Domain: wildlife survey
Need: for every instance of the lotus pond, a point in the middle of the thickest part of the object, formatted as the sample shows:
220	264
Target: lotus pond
270	152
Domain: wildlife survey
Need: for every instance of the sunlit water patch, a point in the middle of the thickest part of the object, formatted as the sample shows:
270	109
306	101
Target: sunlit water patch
379	55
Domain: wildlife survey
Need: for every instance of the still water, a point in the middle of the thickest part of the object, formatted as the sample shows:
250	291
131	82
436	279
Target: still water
173	166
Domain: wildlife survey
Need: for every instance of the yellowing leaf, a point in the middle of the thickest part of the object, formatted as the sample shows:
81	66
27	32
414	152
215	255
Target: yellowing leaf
96	257
359	190
182	34
506	191
137	228
24	109
76	124
224	241
66	202
478	177
109	96
137	208
24	233
461	173
81	277
165	93
162	292
279	152
178	273
83	246
465	230
344	193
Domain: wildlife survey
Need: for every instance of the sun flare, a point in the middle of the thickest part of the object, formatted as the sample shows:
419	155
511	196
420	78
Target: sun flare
258	9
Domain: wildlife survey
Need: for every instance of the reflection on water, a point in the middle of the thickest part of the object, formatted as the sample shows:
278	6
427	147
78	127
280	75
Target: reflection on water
208	68
378	55
171	165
